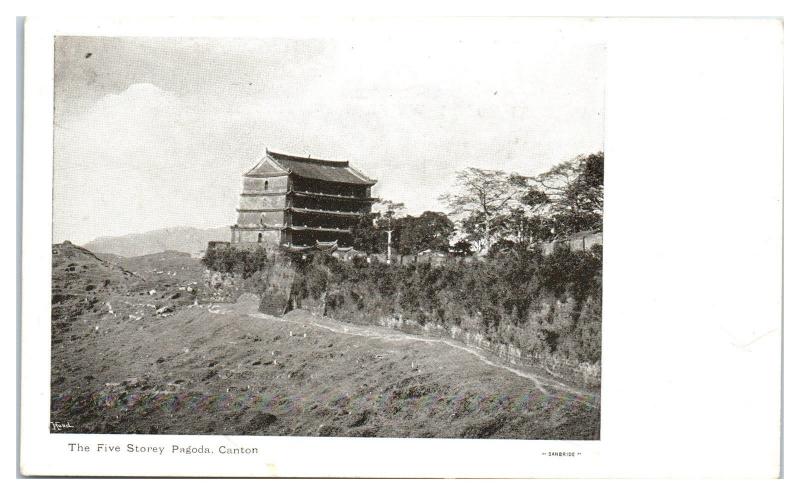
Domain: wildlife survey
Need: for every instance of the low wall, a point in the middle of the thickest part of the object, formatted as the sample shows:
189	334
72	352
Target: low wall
566	369
580	242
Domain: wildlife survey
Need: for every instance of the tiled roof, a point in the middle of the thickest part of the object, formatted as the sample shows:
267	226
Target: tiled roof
314	168
311	194
326	212
267	167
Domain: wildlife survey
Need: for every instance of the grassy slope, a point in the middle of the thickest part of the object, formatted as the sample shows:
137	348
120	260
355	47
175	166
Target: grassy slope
205	370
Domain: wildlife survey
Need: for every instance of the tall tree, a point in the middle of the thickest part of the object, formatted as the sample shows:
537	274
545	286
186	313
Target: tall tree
482	201
575	193
369	234
366	236
387	211
525	228
461	248
431	230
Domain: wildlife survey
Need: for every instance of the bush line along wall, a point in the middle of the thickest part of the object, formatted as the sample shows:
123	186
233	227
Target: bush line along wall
524	306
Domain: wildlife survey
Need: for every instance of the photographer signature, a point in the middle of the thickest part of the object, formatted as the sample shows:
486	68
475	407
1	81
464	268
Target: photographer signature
58	426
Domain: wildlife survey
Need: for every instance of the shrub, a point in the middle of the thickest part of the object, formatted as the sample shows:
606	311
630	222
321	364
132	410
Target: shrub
541	304
544	305
229	259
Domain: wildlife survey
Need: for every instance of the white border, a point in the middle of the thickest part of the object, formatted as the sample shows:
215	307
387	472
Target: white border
690	386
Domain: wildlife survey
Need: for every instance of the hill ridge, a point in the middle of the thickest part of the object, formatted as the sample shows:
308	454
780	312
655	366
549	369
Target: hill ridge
183	239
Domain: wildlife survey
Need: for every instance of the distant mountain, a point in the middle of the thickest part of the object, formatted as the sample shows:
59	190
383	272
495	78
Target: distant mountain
182	239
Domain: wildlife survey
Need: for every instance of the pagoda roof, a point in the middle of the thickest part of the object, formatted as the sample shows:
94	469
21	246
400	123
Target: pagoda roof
325	212
278	164
312	194
267	167
316	229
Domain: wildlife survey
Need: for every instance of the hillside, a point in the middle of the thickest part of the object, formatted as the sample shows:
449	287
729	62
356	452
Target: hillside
82	283
146	353
167	264
184	239
88	290
220	370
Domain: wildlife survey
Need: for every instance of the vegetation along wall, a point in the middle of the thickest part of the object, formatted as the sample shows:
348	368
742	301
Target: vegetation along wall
523	306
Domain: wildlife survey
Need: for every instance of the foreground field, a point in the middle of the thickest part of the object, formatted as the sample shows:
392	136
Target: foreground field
226	369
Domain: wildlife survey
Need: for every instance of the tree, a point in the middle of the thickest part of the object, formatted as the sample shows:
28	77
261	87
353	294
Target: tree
526	229
501	247
482	201
387	211
575	193
462	248
431	230
535	199
369	234
366	236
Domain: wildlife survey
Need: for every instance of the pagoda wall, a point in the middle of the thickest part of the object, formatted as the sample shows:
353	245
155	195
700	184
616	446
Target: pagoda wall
268	237
259	218
273	184
262	194
262	202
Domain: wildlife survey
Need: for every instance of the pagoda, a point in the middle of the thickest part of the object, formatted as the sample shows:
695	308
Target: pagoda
301	203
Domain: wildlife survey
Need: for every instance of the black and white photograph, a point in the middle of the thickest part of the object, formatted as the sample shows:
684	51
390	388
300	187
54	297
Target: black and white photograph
312	246
327	237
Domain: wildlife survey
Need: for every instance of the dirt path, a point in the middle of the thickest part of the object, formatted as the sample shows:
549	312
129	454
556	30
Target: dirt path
394	335
339	327
248	306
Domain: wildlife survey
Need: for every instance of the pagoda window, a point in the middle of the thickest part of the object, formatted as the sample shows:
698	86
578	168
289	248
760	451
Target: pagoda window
266	185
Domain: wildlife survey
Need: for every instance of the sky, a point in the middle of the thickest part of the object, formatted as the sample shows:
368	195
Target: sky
152	133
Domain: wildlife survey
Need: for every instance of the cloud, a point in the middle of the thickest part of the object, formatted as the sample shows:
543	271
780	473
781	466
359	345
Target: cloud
138	160
163	131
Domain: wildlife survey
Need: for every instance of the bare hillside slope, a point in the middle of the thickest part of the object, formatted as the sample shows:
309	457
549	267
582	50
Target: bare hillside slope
228	370
137	349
